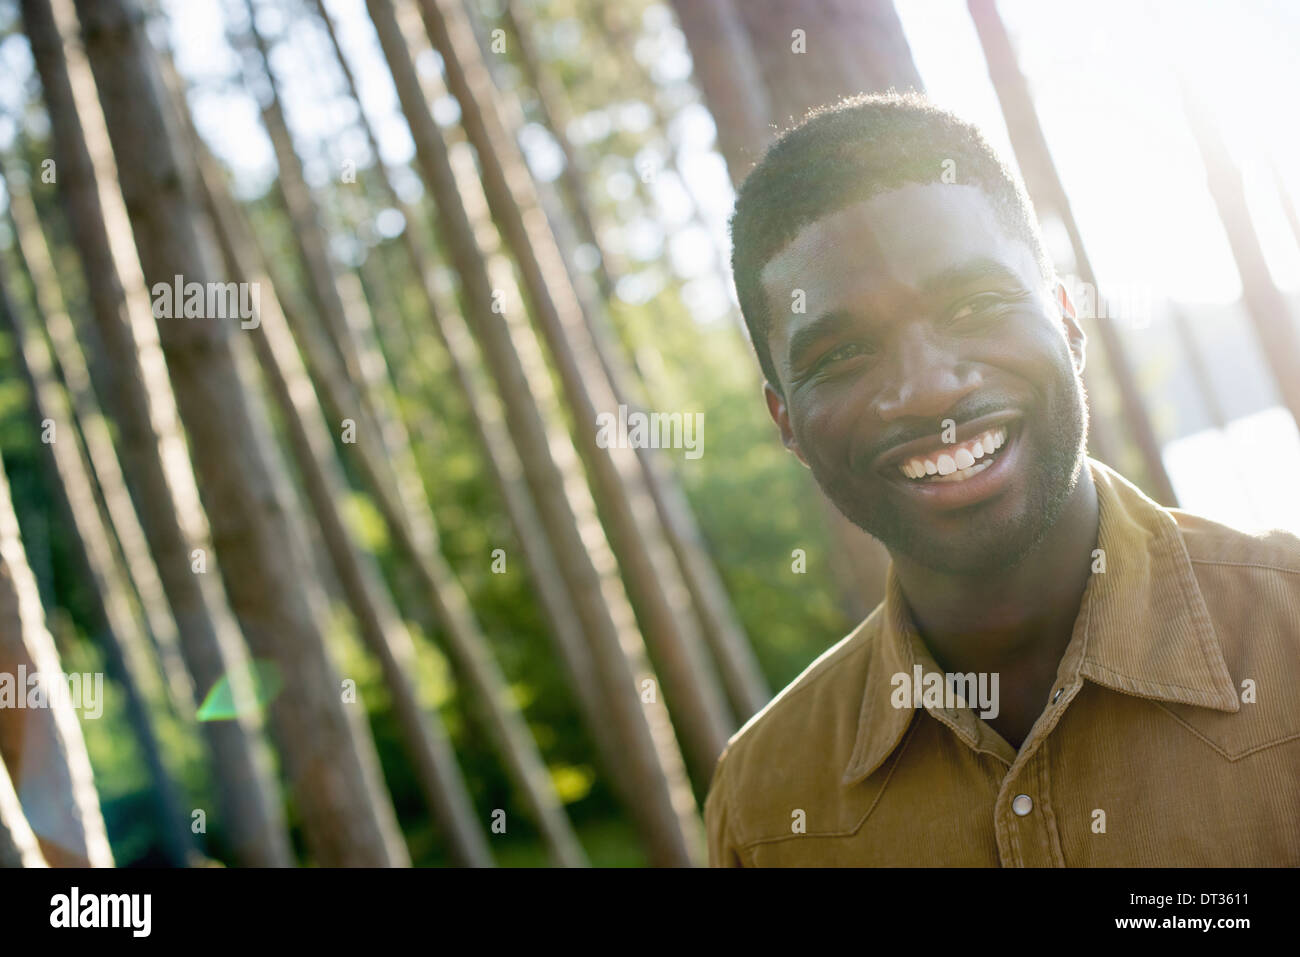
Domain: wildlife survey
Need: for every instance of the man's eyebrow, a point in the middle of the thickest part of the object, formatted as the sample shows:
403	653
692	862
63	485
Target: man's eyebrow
971	271
827	324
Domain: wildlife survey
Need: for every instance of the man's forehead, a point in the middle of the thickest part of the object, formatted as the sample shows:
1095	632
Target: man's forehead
897	240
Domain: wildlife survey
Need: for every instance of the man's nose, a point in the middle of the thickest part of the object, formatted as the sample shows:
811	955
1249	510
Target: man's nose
927	377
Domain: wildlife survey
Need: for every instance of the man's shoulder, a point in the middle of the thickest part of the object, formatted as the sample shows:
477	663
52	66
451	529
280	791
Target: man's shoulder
1208	542
1250	582
1212	544
816	713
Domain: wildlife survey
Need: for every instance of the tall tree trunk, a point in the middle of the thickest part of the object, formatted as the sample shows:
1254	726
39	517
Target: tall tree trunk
123	633
654	579
427	743
666	812
747	690
730	77
813	55
1045	188
152	450
502	460
616	31
120	515
550	100
311	243
43	748
18	845
618	34
1275	329
755	84
403	503
327	751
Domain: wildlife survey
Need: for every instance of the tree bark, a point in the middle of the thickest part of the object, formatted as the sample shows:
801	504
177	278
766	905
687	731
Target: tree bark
427	743
729	74
665	811
617	33
549	97
43	748
502	460
400	497
1275	329
755	84
119	516
152	450
122	632
813	55
327	751
747	690
654	579
18	845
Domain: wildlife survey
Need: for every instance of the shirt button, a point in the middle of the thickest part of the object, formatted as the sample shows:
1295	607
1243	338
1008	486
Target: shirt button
1057	697
1022	804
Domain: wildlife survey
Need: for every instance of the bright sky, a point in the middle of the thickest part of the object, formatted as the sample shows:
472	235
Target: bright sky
1103	77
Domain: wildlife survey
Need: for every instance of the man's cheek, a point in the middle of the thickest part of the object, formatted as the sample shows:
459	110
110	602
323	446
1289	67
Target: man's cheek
810	432
828	456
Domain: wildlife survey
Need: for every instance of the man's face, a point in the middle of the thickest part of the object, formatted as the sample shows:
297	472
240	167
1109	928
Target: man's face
928	334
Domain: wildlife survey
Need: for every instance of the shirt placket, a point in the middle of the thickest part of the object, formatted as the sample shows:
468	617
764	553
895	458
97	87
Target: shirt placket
1024	818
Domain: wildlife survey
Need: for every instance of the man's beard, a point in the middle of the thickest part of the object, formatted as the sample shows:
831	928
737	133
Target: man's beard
1060	425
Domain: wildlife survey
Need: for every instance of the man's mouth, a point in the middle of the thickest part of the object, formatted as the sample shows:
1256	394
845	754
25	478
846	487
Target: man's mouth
959	474
958	462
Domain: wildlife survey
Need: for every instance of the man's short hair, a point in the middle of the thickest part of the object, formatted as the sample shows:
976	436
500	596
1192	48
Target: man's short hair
846	153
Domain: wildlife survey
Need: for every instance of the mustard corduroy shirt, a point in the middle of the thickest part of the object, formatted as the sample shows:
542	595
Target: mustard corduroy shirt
1171	736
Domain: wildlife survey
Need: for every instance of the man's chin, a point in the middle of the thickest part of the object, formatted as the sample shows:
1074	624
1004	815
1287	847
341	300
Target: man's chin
986	550
978	541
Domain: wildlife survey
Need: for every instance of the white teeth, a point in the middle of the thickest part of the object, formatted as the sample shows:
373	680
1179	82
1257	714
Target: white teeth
964	473
959	463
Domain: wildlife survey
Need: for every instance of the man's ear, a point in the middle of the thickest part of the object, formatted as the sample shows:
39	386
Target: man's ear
781	416
1074	333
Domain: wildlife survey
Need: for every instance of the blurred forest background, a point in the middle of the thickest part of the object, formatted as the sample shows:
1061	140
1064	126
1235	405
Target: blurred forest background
365	583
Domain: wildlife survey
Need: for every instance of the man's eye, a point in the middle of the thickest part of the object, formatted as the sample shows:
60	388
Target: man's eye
847	351
976	308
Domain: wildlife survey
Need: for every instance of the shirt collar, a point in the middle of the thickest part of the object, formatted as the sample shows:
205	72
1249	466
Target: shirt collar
1143	628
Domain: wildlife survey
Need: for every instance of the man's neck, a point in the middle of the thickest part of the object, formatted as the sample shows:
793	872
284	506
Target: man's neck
1014	622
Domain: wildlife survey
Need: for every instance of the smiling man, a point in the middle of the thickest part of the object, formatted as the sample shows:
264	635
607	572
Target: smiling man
925	363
